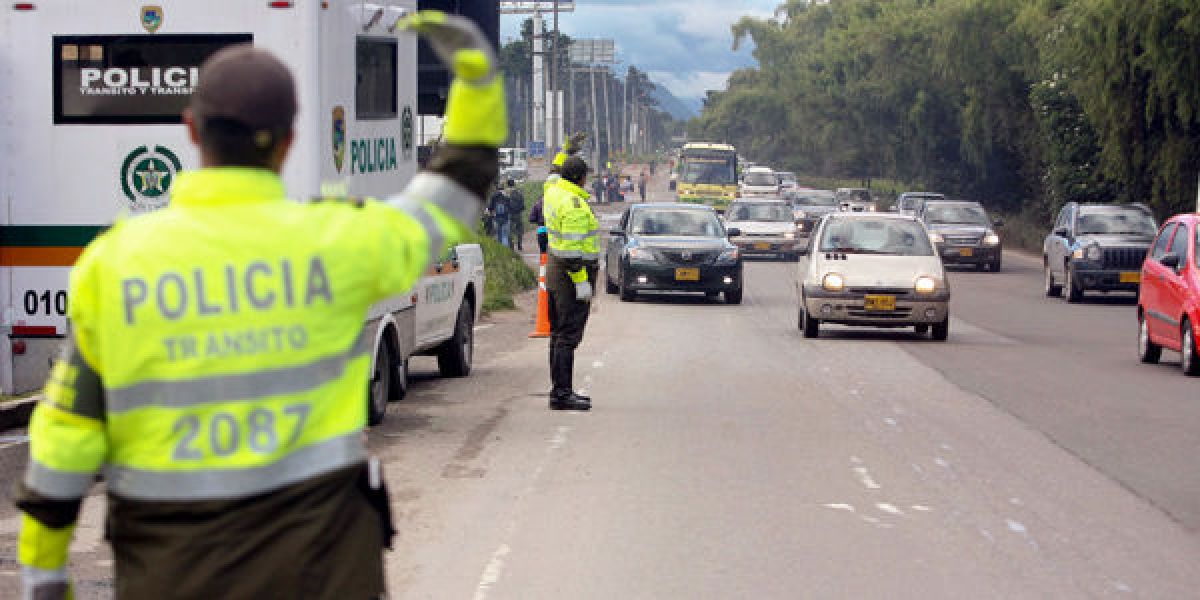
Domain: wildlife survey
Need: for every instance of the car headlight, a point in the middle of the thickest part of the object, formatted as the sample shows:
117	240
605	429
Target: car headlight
991	239
870	208
789	235
936	237
925	285
1094	253
641	255
730	255
833	282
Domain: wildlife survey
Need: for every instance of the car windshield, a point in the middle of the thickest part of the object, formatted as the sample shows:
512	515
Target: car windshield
760	178
1130	221
899	237
760	211
815	201
785	177
955	214
854	196
710	170
692	223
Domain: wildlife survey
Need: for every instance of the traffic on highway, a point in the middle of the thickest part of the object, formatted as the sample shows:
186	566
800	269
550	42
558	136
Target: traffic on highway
572	299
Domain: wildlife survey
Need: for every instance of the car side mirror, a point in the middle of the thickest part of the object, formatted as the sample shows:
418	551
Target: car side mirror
998	223
1060	231
1170	260
733	232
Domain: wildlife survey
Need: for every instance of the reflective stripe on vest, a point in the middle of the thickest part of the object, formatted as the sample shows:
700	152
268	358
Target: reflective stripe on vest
241	386
61	485
209	484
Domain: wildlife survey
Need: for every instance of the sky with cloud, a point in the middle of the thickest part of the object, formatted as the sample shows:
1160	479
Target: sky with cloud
685	45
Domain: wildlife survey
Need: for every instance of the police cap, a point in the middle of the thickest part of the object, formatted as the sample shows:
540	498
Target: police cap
249	87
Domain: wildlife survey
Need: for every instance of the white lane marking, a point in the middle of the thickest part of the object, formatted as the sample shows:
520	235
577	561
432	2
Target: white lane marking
856	460
1016	527
864	476
921	508
839	506
888	508
495	566
870	519
598	364
1014	501
484	326
941	462
890	421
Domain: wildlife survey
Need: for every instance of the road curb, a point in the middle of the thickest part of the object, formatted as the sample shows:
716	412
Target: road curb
16	413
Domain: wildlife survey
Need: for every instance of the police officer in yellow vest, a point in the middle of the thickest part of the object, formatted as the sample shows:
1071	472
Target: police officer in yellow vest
217	370
570	276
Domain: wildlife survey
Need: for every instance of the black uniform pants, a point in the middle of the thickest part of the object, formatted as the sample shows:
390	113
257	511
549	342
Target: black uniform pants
568	318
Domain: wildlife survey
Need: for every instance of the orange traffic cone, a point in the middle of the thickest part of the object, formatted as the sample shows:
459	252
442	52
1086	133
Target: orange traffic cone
542	328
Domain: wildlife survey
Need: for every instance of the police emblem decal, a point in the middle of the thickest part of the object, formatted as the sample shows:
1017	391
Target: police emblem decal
339	137
406	133
152	17
147	175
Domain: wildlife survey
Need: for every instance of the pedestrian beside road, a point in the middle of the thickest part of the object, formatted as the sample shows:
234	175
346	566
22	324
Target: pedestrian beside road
570	278
516	205
598	188
537	217
643	179
613	189
498	208
241	471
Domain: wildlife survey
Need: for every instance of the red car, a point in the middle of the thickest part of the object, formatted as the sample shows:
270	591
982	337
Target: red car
1169	300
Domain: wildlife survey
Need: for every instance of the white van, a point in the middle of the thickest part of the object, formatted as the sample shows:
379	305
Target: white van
90	118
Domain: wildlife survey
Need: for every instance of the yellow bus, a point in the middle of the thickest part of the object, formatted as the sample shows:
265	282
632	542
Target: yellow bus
708	174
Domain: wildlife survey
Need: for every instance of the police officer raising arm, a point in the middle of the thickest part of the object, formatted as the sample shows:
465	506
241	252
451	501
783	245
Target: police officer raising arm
216	370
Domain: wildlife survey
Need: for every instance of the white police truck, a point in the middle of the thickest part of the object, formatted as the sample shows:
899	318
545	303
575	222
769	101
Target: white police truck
90	122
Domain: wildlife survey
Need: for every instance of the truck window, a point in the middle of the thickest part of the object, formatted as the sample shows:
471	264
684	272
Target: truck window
129	79
376	84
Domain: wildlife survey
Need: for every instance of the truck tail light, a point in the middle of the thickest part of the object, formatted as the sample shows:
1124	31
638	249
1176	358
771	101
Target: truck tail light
18	347
279	4
24	6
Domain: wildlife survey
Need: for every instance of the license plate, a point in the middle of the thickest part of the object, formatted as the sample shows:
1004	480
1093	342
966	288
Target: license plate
965	252
1131	277
687	274
762	246
884	303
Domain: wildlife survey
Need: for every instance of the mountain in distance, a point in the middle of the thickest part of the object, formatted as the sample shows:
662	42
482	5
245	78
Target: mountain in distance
681	109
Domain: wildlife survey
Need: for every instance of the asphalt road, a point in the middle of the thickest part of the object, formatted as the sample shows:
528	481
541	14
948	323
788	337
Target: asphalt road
728	457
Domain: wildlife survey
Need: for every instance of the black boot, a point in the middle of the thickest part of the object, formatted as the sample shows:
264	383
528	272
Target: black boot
572	402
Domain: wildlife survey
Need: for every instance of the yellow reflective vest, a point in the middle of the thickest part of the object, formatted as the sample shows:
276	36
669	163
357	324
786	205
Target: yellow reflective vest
572	229
217	343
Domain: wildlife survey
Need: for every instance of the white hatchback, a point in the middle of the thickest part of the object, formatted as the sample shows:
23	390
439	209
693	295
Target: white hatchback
875	270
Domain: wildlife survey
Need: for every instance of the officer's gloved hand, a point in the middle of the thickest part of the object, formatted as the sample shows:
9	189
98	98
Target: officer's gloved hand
45	584
583	291
476	120
575	143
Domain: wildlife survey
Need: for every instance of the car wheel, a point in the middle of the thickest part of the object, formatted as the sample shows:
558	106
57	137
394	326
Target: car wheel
811	326
941	331
627	295
1190	361
995	266
380	389
733	296
1148	351
454	357
609	286
1053	290
1073	292
921	329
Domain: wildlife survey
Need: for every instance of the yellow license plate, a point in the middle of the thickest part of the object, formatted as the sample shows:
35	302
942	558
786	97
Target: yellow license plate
762	246
687	274
884	303
1131	277
965	252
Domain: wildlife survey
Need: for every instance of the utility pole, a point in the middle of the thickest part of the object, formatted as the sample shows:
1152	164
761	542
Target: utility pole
555	89
595	122
546	123
607	117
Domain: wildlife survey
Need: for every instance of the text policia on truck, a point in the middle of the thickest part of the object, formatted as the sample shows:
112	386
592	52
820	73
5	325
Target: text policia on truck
110	117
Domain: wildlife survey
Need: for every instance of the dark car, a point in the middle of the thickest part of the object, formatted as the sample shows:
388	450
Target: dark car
673	247
963	233
1097	247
